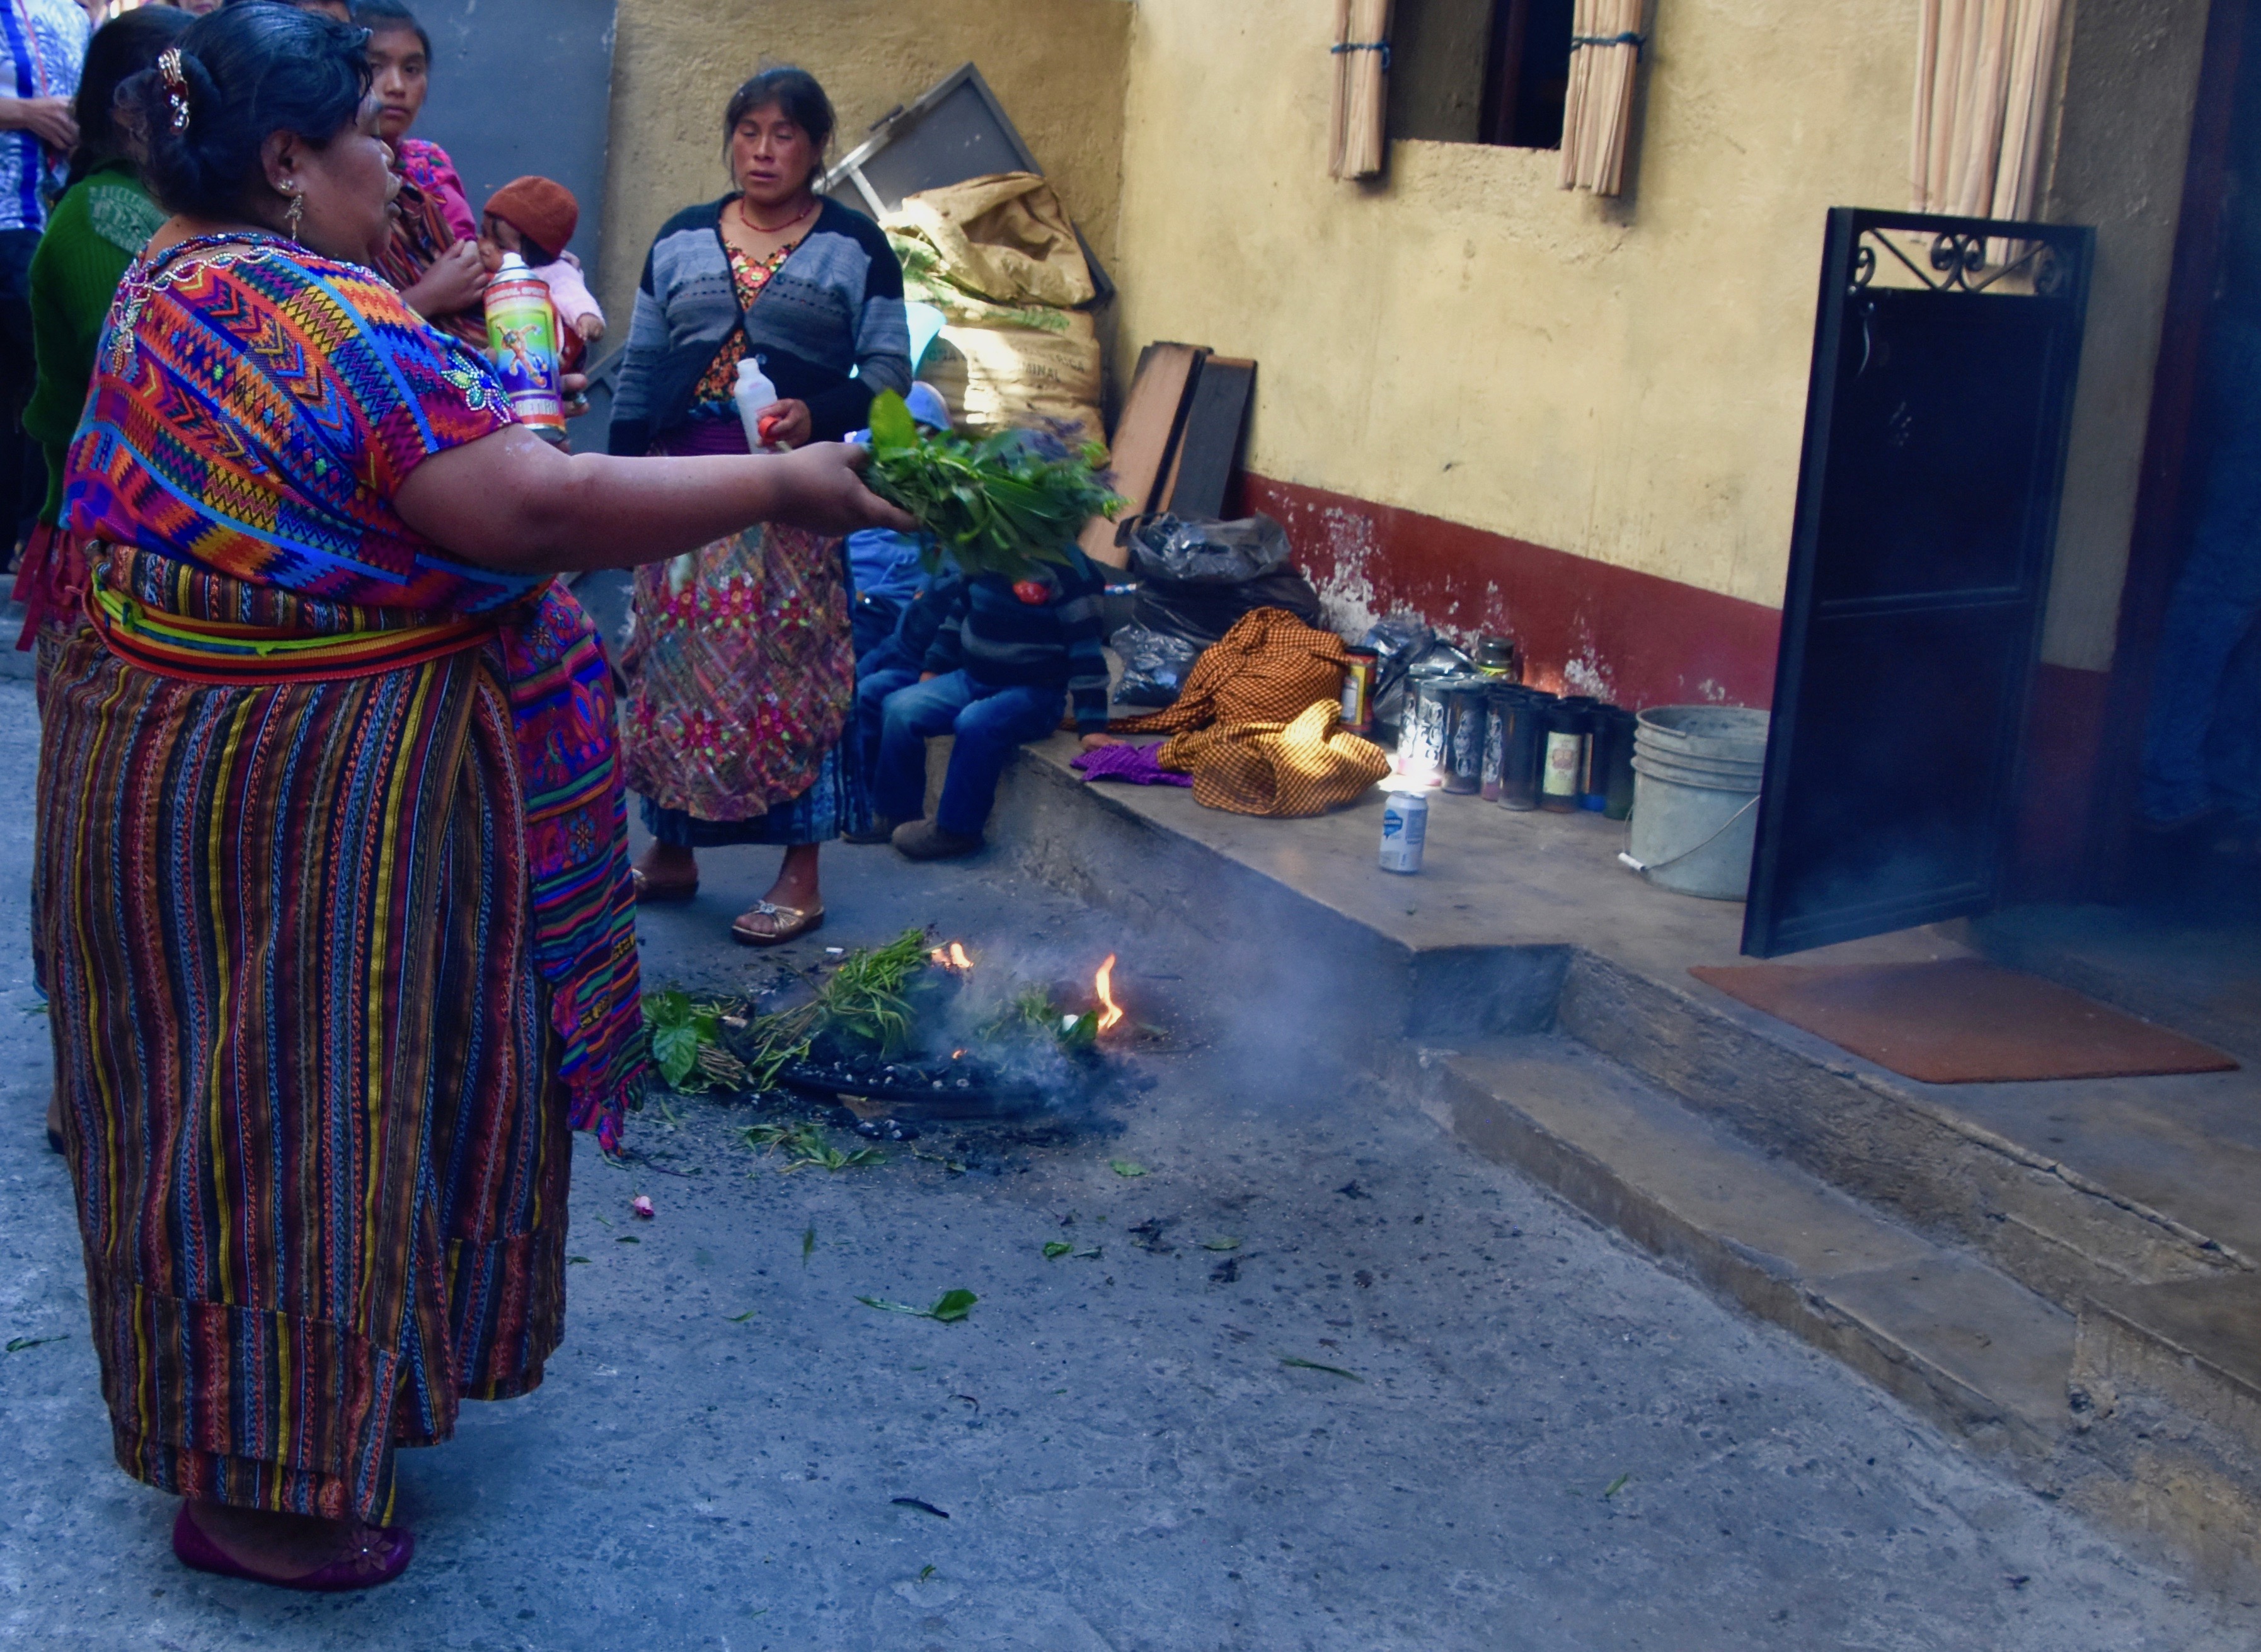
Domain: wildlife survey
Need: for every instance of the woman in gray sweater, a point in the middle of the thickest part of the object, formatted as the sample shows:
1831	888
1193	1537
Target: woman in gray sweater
741	674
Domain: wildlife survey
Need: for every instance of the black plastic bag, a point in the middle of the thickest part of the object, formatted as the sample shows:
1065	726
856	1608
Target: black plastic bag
1198	551
1154	665
1196	577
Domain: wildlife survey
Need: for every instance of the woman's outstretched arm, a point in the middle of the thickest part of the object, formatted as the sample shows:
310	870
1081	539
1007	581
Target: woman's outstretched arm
511	501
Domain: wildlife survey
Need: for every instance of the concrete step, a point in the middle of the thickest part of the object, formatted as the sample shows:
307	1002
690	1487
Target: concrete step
1973	1164
1953	1339
2166	1391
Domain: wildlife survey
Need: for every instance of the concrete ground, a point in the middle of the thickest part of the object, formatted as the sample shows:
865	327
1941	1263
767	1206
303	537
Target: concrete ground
1547	1442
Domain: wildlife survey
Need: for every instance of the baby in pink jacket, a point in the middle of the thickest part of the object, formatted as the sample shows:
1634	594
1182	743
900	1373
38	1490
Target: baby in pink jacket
534	217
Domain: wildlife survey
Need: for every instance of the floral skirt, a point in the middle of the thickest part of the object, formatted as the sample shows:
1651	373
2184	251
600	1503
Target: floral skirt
742	675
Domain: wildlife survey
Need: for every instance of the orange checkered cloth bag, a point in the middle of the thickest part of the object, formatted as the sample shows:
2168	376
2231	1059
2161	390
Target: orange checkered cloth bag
1259	724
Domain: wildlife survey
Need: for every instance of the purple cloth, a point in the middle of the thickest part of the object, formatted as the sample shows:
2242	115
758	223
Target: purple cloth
1134	765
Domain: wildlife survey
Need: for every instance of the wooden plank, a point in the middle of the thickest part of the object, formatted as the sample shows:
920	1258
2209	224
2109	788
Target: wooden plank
1144	438
1209	450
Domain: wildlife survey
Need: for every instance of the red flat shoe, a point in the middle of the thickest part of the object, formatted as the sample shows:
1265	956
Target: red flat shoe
384	1560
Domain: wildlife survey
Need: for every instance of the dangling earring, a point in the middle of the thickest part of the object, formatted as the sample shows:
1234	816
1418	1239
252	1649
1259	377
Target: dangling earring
290	218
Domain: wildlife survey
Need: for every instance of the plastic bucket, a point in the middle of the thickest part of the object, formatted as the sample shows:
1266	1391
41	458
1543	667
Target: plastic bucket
1696	774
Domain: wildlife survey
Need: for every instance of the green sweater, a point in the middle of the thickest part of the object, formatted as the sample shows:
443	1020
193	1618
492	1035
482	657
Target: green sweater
95	233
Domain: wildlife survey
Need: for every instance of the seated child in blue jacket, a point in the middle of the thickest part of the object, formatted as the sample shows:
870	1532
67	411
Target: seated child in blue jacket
1007	661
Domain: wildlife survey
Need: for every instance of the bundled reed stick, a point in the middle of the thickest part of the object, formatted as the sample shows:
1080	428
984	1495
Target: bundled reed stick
1362	65
1597	117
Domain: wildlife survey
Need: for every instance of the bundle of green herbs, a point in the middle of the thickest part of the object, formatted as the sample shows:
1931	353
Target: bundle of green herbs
1002	505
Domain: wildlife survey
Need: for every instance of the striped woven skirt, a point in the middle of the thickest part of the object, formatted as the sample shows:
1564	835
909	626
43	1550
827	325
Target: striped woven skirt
311	1116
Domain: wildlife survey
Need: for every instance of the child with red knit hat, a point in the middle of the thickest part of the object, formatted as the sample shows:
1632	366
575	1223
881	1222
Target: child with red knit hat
534	217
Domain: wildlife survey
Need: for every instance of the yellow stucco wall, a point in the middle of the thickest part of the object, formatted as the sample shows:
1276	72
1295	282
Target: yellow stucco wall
1625	381
1057	65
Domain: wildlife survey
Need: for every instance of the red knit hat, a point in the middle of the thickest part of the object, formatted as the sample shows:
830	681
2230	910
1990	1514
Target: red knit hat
541	209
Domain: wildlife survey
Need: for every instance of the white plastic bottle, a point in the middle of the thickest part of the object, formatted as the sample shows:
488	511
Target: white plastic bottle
753	394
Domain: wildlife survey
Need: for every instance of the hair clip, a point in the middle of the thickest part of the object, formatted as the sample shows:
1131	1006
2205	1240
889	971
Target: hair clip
177	86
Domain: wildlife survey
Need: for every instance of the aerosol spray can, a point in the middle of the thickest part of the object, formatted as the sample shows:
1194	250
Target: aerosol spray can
1404	831
522	347
1359	671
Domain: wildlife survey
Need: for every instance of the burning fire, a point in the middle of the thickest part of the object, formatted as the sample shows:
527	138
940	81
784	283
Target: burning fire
1104	985
952	956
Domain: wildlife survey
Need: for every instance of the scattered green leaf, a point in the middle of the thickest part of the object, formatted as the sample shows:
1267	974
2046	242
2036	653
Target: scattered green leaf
1055	1249
1616	1486
1223	1242
925	1572
951	1307
741	1318
954	1305
1313	1365
628	1239
17	1345
571	1259
954	1166
807	1244
1125	1168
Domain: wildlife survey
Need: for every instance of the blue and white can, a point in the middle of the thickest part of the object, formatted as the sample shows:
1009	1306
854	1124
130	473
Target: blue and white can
1404	831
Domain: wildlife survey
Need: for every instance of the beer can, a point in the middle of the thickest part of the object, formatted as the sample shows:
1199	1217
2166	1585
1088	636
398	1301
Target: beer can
1421	740
1404	831
1465	717
1358	689
522	347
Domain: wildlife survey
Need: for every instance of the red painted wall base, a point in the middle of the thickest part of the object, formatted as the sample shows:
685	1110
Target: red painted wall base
1640	640
1632	638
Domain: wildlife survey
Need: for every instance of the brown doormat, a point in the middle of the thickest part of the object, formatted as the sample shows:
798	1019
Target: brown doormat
1962	1022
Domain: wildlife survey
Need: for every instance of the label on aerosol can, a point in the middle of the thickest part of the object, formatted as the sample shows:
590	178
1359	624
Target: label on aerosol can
1359	667
1404	831
522	347
1565	755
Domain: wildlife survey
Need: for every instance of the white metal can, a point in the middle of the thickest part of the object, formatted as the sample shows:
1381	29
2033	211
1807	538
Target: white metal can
1404	831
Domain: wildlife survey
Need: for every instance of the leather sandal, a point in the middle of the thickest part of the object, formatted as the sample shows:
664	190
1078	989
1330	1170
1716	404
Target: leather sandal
650	893
786	923
383	1556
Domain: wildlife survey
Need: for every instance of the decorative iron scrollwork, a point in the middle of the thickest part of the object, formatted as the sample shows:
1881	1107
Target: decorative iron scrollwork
1957	263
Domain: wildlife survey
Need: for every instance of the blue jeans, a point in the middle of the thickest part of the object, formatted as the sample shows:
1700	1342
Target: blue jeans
2216	598
874	687
990	723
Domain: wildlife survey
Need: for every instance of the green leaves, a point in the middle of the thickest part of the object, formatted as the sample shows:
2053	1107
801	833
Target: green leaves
17	1345
686	1044
949	1308
1054	1249
1223	1242
1313	1365
952	1306
893	428
999	505
1125	1168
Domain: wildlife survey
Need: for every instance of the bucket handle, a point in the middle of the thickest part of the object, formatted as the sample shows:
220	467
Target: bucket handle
1646	866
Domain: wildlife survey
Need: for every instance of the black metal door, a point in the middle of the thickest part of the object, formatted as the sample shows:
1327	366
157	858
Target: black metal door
1935	427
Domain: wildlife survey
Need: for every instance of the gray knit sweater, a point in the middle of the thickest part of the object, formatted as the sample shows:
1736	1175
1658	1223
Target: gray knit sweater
834	305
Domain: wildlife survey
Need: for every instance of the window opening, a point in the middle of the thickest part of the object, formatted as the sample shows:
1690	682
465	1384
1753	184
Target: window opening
1527	74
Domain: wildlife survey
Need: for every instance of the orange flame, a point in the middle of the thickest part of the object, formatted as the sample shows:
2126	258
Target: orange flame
1105	986
951	957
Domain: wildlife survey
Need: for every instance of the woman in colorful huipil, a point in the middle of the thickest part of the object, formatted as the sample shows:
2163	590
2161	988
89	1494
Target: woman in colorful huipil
741	672
336	907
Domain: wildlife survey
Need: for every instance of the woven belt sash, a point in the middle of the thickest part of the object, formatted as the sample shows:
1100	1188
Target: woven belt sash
246	655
